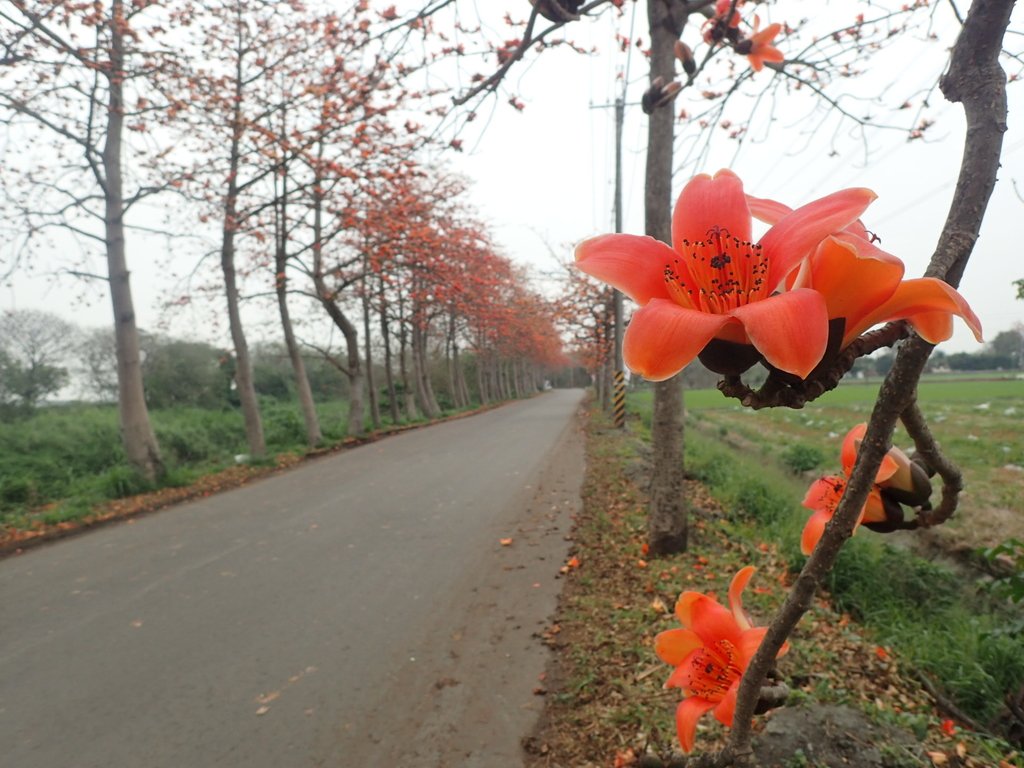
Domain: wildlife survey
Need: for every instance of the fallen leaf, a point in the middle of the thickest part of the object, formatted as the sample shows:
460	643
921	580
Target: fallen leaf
262	710
505	542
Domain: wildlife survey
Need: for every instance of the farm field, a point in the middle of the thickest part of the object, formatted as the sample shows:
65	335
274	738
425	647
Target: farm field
978	422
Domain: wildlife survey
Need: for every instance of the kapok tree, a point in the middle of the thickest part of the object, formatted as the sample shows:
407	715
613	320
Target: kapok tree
253	55
77	80
583	313
802	301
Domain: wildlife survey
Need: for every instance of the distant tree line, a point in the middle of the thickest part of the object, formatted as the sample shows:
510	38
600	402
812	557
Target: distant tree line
1004	353
44	358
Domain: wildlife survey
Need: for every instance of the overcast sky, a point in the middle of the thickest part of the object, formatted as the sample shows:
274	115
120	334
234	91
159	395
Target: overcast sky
543	177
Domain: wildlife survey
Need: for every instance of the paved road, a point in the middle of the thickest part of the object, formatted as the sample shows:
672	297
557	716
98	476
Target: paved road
356	611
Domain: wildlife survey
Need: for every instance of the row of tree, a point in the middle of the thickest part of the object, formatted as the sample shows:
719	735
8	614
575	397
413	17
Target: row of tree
1004	353
43	357
282	139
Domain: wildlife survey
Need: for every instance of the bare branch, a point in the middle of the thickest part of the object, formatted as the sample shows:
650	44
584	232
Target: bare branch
927	447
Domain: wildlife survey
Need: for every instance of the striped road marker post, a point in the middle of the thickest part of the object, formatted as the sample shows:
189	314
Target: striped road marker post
619	399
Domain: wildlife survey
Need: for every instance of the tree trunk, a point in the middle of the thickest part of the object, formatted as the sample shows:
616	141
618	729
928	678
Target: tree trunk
354	370
313	434
481	376
140	445
370	386
667	523
408	392
460	377
504	390
513	378
452	358
243	364
389	374
424	390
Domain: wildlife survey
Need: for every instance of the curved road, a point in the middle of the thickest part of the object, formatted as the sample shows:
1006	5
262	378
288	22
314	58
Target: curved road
356	611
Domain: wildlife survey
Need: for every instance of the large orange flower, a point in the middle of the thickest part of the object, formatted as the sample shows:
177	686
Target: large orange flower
760	44
710	653
714	283
863	285
897	476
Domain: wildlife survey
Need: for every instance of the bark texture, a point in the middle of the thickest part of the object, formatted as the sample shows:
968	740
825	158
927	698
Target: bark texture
137	434
667	518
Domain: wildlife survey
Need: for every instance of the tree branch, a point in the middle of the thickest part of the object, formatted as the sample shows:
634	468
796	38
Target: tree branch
928	449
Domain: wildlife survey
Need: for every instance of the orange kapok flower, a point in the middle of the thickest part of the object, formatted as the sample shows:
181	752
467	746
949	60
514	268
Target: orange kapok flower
723	23
710	653
896	475
761	48
863	285
714	283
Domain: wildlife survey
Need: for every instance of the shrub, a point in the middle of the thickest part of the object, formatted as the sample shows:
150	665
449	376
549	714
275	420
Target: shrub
801	457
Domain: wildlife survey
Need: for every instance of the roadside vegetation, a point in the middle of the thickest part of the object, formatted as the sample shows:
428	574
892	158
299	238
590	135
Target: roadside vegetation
922	646
63	464
61	461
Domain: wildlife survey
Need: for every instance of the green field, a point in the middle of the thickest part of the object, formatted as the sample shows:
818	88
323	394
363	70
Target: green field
978	423
944	388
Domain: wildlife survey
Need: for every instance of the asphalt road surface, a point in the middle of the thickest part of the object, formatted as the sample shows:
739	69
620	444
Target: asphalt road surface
359	610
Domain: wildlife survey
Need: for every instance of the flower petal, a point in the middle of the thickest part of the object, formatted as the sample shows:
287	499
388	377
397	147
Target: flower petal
633	264
854	277
852	441
749	644
813	529
713	621
663	338
674	645
919	301
797	233
825	493
790	329
690	667
739	583
768	211
874	509
688	713
684	607
707	202
726	708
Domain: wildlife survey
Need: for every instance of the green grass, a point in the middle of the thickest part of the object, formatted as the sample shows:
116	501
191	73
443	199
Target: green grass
975	421
73	453
933	389
936	619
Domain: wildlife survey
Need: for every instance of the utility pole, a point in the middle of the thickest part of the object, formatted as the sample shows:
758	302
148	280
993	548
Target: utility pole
619	394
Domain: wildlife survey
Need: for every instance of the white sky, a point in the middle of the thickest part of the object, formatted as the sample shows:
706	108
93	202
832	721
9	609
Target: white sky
543	178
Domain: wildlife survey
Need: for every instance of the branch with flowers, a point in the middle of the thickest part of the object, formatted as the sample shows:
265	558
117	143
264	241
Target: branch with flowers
801	301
